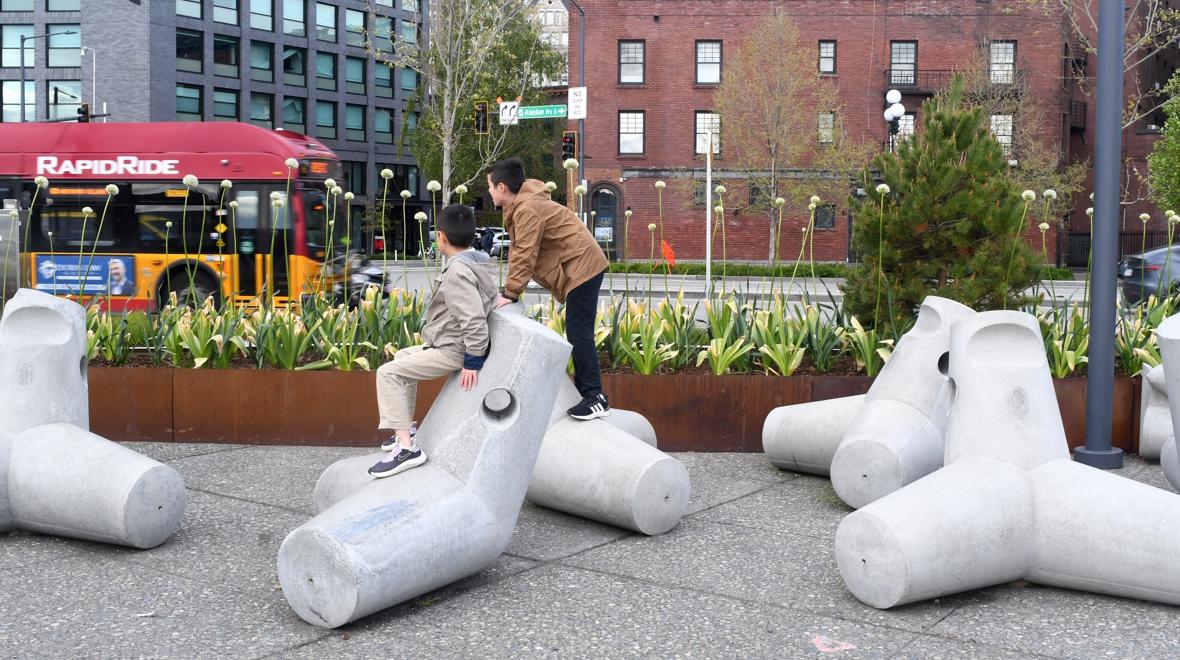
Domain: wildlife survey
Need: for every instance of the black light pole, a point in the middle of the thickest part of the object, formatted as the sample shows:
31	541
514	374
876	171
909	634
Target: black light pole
23	39
1108	130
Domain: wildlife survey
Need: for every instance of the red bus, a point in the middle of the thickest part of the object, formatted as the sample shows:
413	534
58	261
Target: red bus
137	258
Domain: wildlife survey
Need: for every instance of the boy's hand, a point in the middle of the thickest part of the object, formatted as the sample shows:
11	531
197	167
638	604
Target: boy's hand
501	301
468	378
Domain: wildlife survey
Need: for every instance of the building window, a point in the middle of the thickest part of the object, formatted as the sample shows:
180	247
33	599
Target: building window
903	62
383	125
385	3
63	5
188	103
354	75
261	109
262	63
294	113
761	194
11	97
262	15
383	80
827	57
225	56
189	50
354	28
1002	62
1002	130
325	22
383	33
825	216
325	119
294	18
64	98
10	45
16	5
190	8
826	128
409	79
905	129
65	50
410	5
354	122
630	132
225	105
225	11
294	66
405	177
631	62
708	62
706	122
325	71
354	176
409	33
411	127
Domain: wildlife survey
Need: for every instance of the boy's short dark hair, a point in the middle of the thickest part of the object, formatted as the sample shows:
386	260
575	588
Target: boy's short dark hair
509	172
458	223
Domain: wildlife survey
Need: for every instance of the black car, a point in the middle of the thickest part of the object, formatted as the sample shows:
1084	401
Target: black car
1145	275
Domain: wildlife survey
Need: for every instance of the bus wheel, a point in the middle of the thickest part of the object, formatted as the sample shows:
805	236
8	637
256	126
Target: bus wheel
202	287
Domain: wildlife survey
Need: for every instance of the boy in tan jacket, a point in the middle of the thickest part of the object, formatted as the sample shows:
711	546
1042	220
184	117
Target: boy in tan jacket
550	245
454	338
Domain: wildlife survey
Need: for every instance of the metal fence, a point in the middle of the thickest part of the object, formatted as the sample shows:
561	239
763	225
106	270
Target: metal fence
1077	250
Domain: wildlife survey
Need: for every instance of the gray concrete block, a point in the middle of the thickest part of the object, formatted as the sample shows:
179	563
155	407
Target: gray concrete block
397	538
42	363
1155	418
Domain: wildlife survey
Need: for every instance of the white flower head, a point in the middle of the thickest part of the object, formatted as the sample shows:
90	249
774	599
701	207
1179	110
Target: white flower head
190	180
882	189
14	214
50	234
593	213
461	189
233	204
276	195
804	229
780	202
1144	217
815	200
812	206
329	183
336	190
580	190
1091	197
1169	213
86	210
291	163
277	203
1044	226
41	182
433	186
651	226
1049	194
719	209
406	194
720	189
227	184
570	164
112	189
1173	219
1090	211
628	213
348	196
1028	195
332	222
168	224
420	216
550	186
660	185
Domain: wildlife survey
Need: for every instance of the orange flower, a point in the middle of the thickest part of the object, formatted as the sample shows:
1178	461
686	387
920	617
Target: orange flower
669	255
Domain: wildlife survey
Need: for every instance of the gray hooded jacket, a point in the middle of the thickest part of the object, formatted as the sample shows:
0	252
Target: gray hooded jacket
457	314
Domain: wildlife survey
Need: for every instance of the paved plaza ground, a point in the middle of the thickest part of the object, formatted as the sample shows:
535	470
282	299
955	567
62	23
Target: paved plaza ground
750	573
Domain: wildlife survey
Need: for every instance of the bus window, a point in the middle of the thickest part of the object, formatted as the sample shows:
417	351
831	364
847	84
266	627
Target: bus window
192	218
62	215
247	213
316	214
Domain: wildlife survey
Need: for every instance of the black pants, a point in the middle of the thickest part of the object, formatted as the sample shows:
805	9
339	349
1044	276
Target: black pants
581	307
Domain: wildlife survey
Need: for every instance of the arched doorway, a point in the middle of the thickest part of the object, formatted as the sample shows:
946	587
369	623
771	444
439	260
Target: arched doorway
604	203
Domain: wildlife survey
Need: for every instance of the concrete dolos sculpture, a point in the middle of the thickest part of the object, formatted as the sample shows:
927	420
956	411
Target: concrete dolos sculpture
1168	335
1155	418
393	539
871	445
1010	503
55	476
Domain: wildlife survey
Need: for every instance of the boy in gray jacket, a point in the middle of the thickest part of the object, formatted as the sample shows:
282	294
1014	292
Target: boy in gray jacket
454	338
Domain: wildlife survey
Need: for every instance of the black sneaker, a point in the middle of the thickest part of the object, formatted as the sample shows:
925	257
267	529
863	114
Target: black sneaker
591	407
398	462
391	442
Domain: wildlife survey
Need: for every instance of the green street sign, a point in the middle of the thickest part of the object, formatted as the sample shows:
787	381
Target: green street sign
542	112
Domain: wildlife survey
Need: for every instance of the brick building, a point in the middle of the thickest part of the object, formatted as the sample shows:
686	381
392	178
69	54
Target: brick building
652	69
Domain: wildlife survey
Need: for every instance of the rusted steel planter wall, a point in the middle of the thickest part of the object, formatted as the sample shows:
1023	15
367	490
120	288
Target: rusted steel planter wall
690	412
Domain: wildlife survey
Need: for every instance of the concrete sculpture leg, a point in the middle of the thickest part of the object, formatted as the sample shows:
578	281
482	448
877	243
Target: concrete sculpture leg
1010	503
393	539
632	423
1155	418
55	476
1166	379
872	446
590	469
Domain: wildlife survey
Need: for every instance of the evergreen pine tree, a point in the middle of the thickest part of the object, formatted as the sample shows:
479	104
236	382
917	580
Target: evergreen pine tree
950	222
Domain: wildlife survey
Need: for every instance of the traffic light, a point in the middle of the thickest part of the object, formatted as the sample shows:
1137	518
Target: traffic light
481	117
84	113
569	145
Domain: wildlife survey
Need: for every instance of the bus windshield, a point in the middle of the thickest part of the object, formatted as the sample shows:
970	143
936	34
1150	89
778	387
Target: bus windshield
318	212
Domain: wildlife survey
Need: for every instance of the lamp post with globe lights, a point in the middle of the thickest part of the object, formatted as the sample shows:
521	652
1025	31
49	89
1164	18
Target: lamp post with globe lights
894	111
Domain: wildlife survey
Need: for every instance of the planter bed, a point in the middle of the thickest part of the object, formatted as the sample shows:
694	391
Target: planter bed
690	412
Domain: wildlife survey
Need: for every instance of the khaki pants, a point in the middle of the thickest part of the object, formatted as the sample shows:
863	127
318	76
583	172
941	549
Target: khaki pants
397	382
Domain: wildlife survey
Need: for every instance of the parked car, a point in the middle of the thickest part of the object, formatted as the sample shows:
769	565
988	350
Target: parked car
1149	274
500	243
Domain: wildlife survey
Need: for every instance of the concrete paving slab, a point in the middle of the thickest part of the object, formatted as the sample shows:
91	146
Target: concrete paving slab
544	535
744	466
170	451
929	647
726	482
807	505
19	548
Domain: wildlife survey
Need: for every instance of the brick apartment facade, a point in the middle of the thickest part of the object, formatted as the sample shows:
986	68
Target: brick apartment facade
871	57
